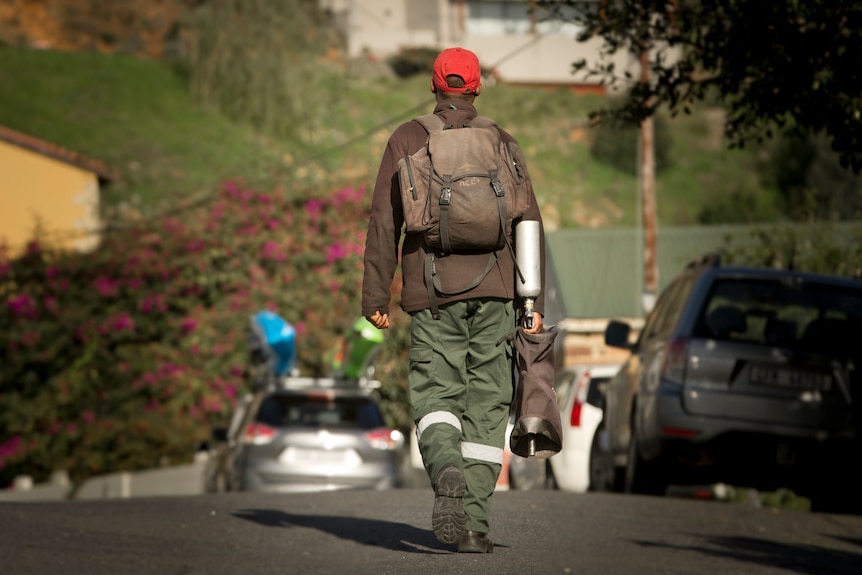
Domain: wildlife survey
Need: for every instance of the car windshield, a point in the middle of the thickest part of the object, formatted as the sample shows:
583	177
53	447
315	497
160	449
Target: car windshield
307	411
782	313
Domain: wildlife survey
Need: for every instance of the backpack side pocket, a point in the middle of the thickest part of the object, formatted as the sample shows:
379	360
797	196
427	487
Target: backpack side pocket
518	170
414	195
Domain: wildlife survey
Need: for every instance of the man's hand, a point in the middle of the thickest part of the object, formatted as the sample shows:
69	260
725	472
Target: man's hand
537	324
380	320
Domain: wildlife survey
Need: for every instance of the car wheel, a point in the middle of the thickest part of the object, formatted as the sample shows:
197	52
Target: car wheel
834	487
641	476
827	499
209	484
603	475
221	483
526	474
550	479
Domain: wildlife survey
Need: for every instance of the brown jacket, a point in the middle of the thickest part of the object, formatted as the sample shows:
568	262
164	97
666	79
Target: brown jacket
385	230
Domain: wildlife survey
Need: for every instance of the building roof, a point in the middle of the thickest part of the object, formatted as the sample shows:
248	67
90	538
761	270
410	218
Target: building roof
56	152
598	273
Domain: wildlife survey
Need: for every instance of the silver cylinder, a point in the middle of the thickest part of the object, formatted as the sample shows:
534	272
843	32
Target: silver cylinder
528	254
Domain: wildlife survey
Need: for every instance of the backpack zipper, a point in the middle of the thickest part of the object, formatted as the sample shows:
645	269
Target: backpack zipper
410	177
513	163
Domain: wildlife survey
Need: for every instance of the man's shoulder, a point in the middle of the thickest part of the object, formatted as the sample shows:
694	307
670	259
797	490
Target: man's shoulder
483	120
410	129
506	136
412	135
408	137
409	126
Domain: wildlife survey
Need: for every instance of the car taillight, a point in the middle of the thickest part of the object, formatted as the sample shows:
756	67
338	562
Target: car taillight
385	438
575	419
675	359
580	396
679	432
258	434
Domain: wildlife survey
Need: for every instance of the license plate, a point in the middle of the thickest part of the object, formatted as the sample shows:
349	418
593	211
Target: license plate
790	378
295	455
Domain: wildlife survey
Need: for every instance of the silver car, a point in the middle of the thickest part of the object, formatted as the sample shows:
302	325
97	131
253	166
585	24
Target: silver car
306	435
744	376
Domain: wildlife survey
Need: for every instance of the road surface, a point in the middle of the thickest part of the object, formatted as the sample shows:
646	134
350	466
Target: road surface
376	533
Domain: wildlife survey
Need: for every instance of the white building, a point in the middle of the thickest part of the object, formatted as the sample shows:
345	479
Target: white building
517	45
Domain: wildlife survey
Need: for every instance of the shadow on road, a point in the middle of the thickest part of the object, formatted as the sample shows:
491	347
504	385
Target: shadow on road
806	559
388	534
851	540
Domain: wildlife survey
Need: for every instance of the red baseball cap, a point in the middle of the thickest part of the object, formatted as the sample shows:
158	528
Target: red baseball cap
458	62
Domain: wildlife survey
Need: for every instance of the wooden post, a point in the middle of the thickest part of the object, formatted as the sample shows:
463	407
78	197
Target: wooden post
531	10
462	19
647	177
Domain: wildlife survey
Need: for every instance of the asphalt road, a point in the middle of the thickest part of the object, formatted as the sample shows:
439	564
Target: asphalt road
369	532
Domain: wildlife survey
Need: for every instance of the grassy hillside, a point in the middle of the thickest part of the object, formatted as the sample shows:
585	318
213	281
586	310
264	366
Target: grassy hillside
136	116
132	114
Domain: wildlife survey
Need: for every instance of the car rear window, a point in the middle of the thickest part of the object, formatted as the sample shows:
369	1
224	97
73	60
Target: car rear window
306	411
782	313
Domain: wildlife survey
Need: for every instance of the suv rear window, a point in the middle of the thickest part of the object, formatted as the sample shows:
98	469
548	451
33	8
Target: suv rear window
782	313
306	411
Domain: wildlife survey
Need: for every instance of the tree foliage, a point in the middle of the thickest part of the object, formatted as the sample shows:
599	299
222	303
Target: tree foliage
815	246
123	358
788	65
260	62
616	144
811	181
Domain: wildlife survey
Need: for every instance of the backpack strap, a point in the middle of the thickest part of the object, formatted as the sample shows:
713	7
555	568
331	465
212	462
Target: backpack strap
431	122
482	122
435	123
433	284
445	199
430	272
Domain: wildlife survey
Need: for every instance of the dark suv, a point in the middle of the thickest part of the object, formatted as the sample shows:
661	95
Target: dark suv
744	376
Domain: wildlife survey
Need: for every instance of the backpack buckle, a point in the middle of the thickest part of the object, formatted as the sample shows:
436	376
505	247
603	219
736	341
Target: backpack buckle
496	184
498	188
445	196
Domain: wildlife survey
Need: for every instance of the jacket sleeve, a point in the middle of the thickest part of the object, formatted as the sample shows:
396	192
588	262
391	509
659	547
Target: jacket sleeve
384	233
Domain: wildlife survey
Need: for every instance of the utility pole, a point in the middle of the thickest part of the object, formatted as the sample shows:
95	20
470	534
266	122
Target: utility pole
648	211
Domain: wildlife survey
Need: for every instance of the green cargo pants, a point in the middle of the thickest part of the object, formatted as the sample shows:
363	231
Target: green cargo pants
461	388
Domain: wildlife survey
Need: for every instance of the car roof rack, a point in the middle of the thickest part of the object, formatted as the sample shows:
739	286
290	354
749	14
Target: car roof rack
333	383
712	260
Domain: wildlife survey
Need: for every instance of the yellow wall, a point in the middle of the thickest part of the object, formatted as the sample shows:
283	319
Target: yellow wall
40	193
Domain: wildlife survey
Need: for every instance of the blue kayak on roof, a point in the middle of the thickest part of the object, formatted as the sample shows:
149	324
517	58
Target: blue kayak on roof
273	341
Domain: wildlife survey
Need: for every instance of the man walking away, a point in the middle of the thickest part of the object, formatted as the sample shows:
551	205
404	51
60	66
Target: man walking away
458	287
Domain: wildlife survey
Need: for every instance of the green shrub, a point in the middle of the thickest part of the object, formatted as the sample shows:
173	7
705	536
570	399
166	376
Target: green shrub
820	247
123	358
736	207
413	61
617	145
260	62
811	181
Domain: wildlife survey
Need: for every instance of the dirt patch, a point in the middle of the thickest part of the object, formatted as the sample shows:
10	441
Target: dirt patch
143	27
604	214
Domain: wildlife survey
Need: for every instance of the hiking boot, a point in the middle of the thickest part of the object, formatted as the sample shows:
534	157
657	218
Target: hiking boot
448	520
475	542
